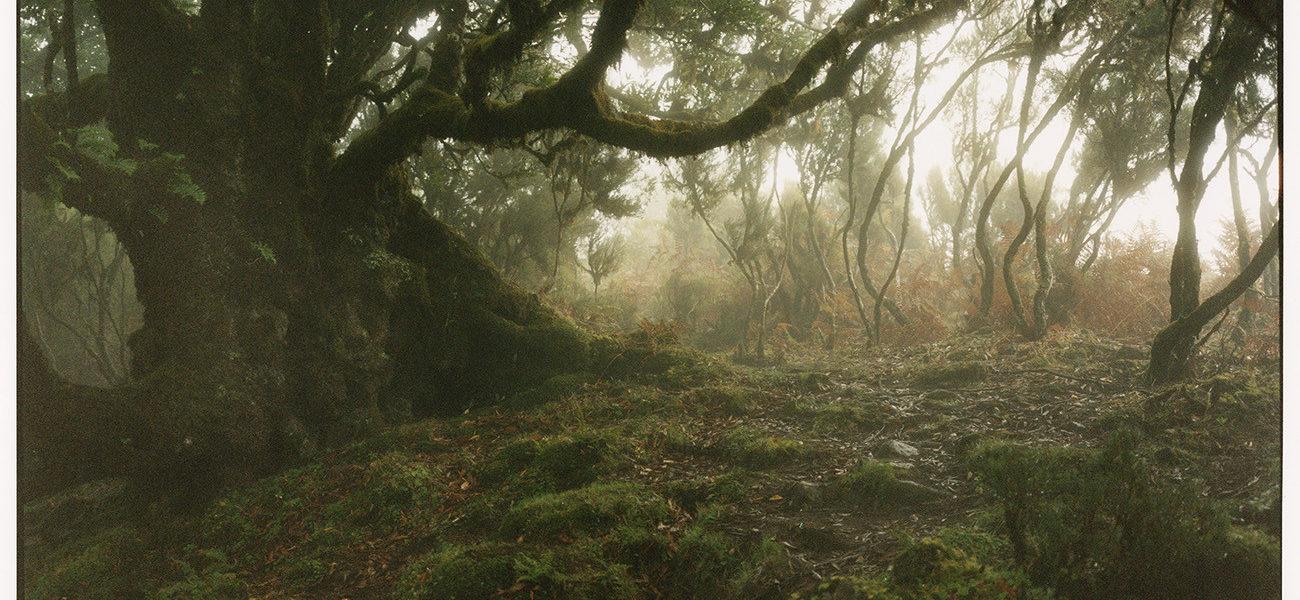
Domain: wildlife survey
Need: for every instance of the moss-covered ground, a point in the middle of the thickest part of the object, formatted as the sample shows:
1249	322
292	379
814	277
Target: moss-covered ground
981	467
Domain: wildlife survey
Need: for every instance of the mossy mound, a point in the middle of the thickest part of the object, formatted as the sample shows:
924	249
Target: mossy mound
599	506
552	389
837	417
875	485
388	496
727	398
552	463
600	541
749	447
100	565
949	374
692	494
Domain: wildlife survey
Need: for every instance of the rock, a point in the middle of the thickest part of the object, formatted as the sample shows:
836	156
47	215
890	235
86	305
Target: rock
903	449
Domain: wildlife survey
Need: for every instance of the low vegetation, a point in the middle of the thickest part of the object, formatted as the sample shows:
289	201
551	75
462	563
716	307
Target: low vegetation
739	482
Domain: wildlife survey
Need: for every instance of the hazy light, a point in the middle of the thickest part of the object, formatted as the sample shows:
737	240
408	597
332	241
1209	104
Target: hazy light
1153	208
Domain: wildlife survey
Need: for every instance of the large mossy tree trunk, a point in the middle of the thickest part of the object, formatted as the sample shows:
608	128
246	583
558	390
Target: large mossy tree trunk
285	310
296	294
284	307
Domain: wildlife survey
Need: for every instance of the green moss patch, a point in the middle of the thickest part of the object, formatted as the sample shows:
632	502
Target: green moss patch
552	463
693	493
104	565
875	485
323	514
552	389
949	374
726	398
599	506
749	447
836	417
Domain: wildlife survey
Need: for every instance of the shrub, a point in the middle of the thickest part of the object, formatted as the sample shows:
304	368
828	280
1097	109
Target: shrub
1098	524
930	568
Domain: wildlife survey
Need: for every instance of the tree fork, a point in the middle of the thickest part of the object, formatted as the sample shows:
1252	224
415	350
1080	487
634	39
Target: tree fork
1173	347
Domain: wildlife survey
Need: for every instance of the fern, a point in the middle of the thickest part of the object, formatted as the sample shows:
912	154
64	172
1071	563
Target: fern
96	142
184	186
265	252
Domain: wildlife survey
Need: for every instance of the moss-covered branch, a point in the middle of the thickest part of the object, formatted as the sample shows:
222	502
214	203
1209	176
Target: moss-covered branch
577	102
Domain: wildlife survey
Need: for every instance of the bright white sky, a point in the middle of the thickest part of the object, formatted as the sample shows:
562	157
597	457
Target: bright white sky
1156	205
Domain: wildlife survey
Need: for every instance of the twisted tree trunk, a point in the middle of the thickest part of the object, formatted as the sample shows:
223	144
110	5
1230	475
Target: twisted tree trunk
1229	65
1173	347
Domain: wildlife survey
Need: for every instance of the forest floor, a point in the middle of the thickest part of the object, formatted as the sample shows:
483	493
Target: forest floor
816	477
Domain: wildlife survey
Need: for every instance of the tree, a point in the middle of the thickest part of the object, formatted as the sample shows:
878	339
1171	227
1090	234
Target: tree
747	238
1228	57
816	149
252	160
604	256
1046	34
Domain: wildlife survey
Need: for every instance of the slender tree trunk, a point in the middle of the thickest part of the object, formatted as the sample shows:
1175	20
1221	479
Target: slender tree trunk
1267	209
1046	278
1218	82
850	164
902	241
1244	316
826	287
988	265
1267	213
1173	347
1026	225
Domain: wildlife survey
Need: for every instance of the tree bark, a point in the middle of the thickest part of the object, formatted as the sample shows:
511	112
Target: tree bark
1173	347
1228	66
282	310
1242	228
1008	259
1267	212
